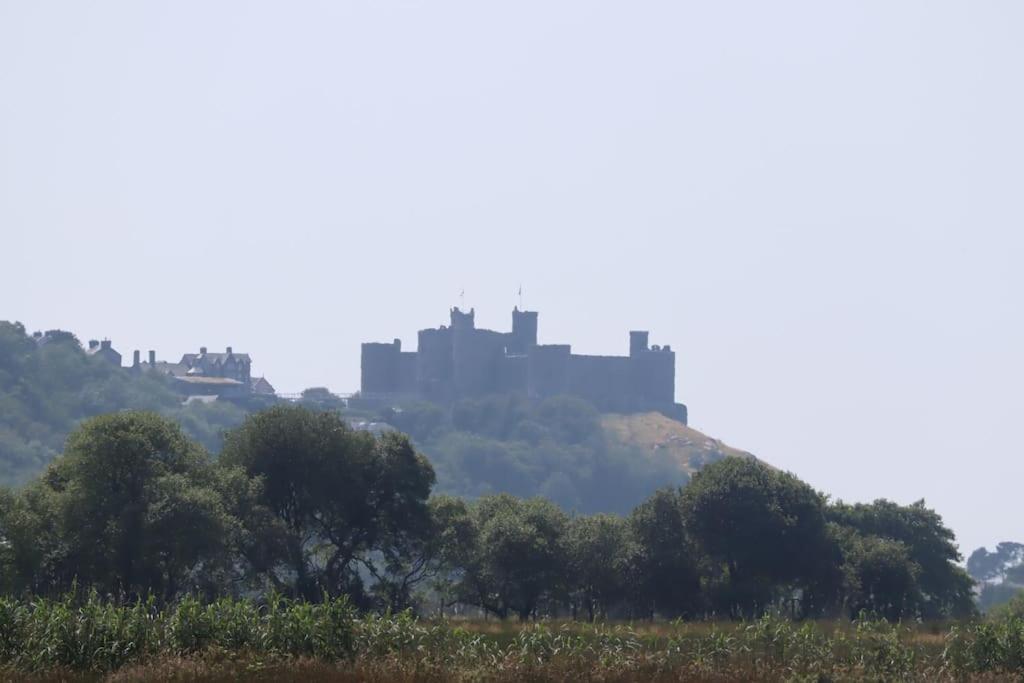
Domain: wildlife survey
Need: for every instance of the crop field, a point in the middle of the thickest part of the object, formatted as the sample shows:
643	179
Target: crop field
91	640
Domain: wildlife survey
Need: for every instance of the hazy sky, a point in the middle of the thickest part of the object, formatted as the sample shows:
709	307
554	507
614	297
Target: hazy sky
818	204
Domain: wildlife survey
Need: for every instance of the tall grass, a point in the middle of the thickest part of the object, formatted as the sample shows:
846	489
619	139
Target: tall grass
91	637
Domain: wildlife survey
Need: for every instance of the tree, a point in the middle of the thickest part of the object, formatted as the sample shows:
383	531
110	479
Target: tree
334	492
320	398
517	557
665	561
599	549
763	528
407	558
985	566
946	589
880	578
132	507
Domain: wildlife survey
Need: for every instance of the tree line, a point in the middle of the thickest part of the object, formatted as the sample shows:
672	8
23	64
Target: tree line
300	504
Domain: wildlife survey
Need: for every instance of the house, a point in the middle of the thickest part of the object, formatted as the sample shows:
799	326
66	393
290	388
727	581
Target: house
206	373
104	350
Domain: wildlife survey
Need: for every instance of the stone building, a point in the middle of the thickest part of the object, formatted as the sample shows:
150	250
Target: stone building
104	349
461	360
227	374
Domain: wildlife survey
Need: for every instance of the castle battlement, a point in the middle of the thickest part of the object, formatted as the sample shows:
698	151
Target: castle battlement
462	361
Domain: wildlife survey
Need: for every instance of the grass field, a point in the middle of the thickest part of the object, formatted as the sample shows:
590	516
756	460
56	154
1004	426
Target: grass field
92	640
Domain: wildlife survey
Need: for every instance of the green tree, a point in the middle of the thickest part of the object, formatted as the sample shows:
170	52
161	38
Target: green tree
764	529
517	558
132	507
599	548
946	589
335	494
1008	606
879	576
320	398
429	551
665	560
985	566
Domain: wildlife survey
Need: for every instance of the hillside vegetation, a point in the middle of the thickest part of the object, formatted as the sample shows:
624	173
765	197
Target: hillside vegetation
560	448
46	390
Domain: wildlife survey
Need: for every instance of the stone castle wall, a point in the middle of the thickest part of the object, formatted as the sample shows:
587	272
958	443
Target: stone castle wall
463	361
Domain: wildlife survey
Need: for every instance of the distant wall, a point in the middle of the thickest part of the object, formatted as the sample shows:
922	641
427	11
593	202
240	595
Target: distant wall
405	378
379	367
602	380
513	375
548	370
653	376
434	363
477	355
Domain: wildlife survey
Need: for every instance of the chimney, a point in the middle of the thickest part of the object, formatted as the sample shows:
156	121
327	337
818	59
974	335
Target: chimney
105	344
229	349
93	343
152	359
136	358
202	350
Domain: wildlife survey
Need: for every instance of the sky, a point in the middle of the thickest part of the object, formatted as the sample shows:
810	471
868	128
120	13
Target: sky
817	204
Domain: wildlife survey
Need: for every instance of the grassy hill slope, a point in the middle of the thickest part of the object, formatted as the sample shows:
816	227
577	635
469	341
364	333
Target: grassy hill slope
661	437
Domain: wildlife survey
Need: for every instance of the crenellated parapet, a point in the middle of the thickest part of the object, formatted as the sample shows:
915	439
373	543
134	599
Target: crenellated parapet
462	360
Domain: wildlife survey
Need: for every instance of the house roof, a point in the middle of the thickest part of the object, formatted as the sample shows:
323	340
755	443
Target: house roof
221	358
166	368
260	385
208	381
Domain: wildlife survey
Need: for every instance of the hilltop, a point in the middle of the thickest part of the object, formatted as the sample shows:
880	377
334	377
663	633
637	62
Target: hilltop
659	436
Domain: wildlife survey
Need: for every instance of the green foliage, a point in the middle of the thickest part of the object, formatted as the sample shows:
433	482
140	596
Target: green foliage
300	503
600	551
132	507
207	423
96	635
945	588
985	566
47	390
516	558
556	448
664	564
333	493
320	398
880	577
763	529
236	639
1011	608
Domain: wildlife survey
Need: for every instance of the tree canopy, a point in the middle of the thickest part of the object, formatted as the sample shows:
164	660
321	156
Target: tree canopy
302	504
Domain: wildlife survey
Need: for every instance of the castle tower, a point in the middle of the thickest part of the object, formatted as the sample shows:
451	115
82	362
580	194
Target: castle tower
637	342
524	331
463	321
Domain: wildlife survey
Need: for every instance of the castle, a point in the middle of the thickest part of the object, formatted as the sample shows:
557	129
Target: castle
461	361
